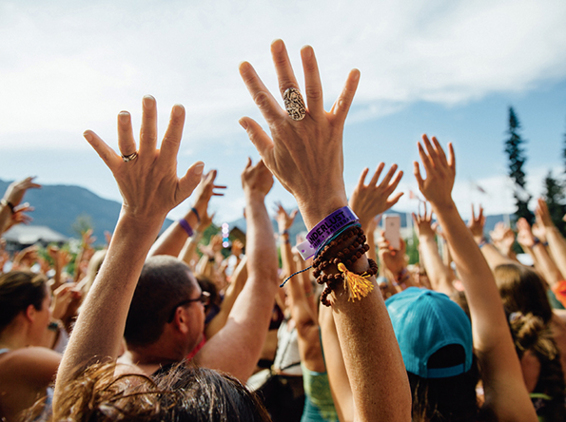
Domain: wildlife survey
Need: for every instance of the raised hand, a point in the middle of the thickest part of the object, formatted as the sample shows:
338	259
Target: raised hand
148	183
502	237
423	224
369	200
15	192
524	234
206	190
62	297
257	179
393	259
284	219
440	173
297	151
19	216
542	214
476	224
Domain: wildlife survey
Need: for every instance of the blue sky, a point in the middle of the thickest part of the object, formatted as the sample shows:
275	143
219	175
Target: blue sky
447	68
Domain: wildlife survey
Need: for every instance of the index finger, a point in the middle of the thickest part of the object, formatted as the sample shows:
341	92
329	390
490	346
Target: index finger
267	105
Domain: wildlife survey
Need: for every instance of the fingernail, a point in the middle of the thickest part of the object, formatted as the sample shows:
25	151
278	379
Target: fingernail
243	123
178	110
199	168
148	101
87	135
124	116
277	46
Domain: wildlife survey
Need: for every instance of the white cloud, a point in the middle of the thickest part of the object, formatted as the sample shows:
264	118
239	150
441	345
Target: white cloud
67	67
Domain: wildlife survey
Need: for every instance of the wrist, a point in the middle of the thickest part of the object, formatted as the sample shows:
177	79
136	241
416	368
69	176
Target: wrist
314	211
254	195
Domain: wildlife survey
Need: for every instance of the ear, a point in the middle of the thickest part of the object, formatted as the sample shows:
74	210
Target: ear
180	321
30	312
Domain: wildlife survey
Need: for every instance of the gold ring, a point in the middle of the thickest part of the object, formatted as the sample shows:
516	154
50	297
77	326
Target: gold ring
294	104
130	157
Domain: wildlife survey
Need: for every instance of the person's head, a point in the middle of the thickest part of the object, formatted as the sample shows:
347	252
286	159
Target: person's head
181	394
522	290
531	335
435	338
25	296
167	294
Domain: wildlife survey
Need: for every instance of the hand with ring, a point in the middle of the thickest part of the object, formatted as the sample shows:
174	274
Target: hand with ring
305	155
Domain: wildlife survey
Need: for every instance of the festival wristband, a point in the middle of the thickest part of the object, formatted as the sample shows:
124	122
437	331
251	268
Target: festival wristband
186	226
324	230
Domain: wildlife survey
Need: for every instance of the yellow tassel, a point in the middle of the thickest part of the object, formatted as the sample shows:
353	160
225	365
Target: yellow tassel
358	286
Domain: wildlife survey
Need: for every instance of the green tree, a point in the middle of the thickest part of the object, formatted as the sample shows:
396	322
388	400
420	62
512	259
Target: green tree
555	198
517	159
82	223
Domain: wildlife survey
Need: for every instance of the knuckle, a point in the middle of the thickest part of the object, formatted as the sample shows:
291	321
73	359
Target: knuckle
314	93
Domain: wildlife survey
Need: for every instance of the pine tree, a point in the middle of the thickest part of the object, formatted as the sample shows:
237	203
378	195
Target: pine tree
554	197
516	162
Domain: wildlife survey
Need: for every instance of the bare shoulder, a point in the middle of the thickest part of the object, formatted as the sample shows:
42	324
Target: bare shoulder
34	365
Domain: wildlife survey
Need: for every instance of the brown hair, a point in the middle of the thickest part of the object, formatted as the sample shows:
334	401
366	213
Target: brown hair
446	399
18	290
164	281
522	290
532	335
180	394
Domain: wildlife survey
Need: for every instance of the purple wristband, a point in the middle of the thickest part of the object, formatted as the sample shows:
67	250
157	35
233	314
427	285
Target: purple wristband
324	230
185	225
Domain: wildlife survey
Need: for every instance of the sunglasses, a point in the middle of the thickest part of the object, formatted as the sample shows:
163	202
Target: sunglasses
204	298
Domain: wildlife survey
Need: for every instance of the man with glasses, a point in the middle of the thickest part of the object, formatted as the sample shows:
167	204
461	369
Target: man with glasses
166	317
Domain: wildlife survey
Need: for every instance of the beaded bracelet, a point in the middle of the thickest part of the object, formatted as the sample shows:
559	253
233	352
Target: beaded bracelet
357	285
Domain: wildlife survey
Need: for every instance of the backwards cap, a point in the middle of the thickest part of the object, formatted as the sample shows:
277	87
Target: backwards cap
425	321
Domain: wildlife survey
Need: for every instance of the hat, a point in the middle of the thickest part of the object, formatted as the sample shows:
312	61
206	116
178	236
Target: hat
424	322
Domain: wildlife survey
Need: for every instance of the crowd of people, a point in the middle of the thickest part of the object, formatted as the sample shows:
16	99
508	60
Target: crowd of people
336	327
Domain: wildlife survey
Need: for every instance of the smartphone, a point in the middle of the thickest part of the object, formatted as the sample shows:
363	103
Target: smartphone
392	225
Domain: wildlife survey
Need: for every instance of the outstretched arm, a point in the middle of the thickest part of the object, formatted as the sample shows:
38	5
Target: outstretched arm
505	391
440	277
533	246
306	157
248	323
150	189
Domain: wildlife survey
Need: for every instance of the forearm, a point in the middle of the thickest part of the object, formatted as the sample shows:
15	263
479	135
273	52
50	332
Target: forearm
190	248
5	217
546	265
172	240
439	276
100	326
372	357
493	256
489	322
232	292
244	333
557	245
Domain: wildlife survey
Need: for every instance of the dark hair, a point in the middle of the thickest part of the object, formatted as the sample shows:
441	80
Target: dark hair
164	281
530	334
446	399
18	290
522	290
181	394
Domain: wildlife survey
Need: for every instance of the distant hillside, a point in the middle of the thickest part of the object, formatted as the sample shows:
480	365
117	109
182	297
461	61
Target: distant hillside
59	206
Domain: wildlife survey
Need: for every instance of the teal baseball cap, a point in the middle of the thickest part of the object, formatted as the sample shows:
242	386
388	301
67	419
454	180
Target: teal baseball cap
424	322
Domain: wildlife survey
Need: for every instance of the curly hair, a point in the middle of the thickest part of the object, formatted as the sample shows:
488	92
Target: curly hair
182	393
